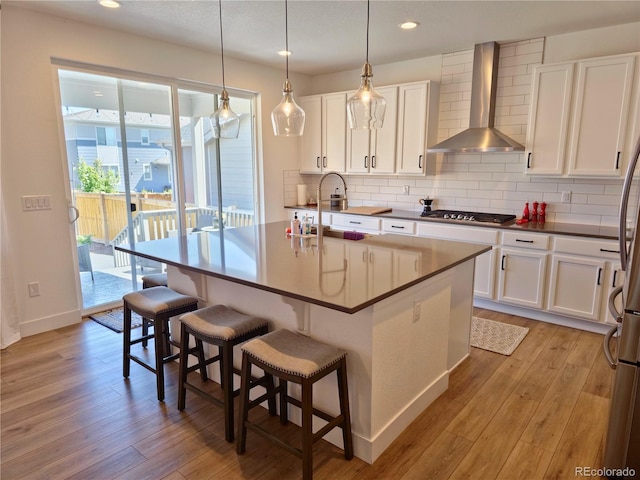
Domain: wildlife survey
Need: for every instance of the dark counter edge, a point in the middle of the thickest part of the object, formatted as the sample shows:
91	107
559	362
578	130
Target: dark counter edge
362	306
571	229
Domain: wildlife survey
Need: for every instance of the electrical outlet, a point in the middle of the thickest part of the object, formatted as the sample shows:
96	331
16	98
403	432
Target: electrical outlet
566	197
417	311
405	189
34	289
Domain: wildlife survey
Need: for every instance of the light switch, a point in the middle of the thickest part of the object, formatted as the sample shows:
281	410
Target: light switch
36	202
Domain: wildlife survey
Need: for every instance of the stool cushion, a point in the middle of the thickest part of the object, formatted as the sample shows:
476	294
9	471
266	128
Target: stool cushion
292	353
154	301
154	280
220	322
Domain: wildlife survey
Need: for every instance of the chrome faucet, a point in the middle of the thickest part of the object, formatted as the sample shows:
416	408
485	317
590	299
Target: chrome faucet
320	199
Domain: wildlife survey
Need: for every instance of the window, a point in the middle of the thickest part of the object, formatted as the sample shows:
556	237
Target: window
112	168
146	169
144	136
106	136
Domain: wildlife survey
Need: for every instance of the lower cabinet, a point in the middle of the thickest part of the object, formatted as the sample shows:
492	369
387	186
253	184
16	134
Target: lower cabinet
576	286
522	277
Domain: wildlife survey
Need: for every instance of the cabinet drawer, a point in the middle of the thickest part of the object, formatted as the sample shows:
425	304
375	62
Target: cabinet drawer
462	234
526	240
355	222
398	226
592	248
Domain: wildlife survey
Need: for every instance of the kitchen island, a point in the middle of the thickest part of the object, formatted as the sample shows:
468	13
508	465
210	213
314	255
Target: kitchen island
401	306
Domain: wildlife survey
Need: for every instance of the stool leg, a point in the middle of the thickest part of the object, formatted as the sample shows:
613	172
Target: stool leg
343	392
126	342
145	331
307	430
271	401
227	362
158	339
201	359
245	379
184	359
284	415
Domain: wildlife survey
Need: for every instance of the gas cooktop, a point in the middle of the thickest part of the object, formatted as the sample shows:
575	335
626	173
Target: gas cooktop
461	216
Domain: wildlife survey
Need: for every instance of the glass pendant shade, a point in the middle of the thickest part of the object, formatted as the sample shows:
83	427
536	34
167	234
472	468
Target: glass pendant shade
287	118
224	121
366	108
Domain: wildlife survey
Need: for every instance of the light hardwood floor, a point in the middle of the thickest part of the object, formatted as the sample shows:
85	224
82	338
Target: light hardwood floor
66	412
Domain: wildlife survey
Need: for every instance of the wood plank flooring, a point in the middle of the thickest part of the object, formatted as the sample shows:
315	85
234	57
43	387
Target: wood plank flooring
67	413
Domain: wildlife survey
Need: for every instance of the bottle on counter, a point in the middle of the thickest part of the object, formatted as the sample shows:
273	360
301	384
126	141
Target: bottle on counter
295	224
306	225
542	213
533	216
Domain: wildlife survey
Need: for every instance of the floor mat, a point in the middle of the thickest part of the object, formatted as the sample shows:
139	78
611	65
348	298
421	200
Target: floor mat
495	336
114	319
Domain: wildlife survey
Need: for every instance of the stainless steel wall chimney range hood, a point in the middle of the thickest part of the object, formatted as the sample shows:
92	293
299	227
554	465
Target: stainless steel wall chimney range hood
481	136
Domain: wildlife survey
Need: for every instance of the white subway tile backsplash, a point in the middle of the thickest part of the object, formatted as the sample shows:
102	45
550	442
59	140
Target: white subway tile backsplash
490	182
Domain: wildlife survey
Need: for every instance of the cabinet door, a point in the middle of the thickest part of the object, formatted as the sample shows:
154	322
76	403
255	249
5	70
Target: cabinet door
549	115
311	140
380	270
522	275
412	128
358	271
601	111
383	140
576	286
484	280
358	156
334	132
406	267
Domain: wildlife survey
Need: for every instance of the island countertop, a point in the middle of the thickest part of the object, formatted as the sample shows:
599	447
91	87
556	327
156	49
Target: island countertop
344	275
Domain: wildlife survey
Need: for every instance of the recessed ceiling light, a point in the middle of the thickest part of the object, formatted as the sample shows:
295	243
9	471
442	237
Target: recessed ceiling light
110	3
284	53
409	25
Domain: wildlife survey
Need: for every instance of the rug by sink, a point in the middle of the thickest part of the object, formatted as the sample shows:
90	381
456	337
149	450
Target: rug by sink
496	336
114	319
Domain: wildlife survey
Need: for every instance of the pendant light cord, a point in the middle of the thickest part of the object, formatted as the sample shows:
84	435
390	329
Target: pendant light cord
367	31
286	37
221	43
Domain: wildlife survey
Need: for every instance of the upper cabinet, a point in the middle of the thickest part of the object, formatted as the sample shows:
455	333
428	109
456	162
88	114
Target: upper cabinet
322	146
374	151
417	126
581	116
399	147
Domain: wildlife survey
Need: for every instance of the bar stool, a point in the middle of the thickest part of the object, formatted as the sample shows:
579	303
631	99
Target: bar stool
295	358
148	281
158	304
225	328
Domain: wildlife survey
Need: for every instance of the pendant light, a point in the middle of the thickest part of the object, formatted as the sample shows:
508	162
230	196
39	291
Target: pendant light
366	107
224	121
287	118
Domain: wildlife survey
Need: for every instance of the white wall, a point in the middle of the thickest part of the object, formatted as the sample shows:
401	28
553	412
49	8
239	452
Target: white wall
32	161
488	182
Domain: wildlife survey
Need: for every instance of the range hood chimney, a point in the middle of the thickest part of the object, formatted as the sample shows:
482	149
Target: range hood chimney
481	136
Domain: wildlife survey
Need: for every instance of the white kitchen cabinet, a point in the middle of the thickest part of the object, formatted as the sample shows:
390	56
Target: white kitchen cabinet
406	267
323	144
576	286
372	267
522	277
359	223
600	115
403	227
581	116
549	115
485	267
417	126
374	151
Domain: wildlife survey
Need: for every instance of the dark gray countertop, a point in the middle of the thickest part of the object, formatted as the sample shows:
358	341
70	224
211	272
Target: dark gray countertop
264	257
575	229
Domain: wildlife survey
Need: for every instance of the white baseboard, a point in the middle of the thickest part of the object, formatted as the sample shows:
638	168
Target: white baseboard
40	325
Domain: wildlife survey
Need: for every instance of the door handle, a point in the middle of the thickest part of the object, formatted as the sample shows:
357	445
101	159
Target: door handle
419	161
606	347
317	162
502	262
366	158
373	161
612	304
76	214
324	162
615	274
529	160
599	275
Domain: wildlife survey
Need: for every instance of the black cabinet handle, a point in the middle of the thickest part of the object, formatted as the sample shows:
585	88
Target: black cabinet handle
419	161
324	162
610	251
615	274
618	161
317	162
373	161
502	262
366	161
524	241
354	222
599	275
529	160
397	226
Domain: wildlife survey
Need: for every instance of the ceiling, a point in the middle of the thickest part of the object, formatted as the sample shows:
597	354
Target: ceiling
330	36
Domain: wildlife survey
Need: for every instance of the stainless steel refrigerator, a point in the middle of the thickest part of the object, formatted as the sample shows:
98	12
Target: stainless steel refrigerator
622	447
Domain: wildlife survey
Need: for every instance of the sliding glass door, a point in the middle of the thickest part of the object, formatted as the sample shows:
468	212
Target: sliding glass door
126	173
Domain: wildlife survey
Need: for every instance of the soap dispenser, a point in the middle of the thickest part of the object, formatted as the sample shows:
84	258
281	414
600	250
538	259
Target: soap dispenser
295	224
